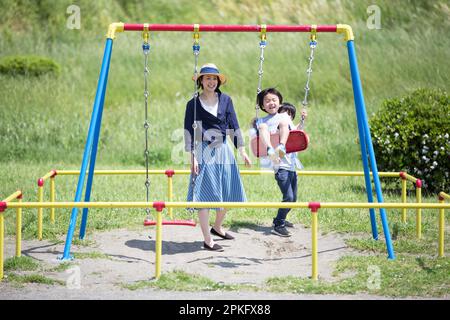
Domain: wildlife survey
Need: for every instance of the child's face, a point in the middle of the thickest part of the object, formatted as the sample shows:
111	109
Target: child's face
271	103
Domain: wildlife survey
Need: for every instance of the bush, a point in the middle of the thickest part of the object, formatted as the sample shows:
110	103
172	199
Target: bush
411	134
28	65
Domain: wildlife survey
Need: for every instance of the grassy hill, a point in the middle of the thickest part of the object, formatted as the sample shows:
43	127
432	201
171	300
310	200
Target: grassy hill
42	116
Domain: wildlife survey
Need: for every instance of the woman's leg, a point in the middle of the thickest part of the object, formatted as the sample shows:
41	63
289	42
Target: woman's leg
220	216
203	216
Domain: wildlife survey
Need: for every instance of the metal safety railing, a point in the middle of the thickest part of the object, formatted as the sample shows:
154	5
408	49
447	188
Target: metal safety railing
171	172
160	205
3	204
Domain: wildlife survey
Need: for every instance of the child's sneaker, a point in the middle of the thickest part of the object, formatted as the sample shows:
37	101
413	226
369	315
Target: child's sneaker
288	224
272	154
280	150
281	231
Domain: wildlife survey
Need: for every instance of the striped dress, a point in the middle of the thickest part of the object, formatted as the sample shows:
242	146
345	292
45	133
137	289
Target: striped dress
219	179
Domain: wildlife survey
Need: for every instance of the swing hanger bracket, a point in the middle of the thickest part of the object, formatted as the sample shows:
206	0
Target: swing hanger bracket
313	32
263	34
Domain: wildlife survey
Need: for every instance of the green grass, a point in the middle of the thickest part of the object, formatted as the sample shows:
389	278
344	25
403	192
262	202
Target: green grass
182	281
32	278
404	277
22	263
90	255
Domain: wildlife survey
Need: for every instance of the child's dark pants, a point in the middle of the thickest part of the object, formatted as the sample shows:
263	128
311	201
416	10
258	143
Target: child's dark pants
287	181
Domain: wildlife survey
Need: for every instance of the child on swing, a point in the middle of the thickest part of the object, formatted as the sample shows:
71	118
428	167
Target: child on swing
279	119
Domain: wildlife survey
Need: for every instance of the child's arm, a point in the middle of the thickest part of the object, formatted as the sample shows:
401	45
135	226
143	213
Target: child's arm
303	118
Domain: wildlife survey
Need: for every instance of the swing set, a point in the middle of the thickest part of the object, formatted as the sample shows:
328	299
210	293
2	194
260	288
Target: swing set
297	141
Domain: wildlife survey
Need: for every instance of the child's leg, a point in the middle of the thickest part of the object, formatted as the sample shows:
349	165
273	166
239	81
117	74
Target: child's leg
284	180
284	134
265	134
284	131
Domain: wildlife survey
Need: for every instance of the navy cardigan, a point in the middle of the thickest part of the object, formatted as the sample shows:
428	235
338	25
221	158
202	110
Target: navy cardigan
213	129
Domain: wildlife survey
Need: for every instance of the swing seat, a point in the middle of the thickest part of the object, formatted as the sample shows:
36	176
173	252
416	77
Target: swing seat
190	223
297	141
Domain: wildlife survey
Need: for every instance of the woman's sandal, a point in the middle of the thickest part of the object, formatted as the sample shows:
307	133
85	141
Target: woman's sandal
226	236
215	247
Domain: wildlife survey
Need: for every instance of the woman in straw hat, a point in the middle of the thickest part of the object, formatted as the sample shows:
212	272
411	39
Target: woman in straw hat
215	177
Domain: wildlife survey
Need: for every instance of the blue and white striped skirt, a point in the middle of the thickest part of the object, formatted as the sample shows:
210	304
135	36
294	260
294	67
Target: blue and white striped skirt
219	179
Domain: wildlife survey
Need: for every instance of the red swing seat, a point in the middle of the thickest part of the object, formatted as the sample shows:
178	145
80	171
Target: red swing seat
297	141
190	223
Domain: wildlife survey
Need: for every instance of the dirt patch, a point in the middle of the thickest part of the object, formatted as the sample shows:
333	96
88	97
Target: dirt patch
125	256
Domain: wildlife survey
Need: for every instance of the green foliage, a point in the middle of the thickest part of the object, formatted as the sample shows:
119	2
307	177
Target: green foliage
412	134
28	66
21	264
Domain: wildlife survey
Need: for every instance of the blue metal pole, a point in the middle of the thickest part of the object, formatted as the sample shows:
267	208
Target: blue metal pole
360	106
87	196
373	221
98	105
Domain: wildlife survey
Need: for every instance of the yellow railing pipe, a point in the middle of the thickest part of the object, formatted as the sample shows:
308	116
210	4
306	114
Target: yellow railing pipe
403	198
314	240
419	209
40	209
158	244
169	174
52	198
2	248
3	205
325	205
242	172
442	197
19	229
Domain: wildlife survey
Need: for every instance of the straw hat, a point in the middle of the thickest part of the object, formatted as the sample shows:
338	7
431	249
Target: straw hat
210	69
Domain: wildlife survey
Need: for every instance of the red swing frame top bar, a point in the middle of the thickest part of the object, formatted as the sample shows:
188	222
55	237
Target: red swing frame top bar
227	28
121	27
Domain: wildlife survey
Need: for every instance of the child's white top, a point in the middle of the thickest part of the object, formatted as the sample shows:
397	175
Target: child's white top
272	121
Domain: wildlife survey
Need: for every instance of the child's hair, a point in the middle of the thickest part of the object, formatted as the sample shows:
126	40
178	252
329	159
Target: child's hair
263	93
289	108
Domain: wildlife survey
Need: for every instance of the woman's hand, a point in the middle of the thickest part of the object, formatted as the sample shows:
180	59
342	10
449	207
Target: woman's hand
194	165
245	157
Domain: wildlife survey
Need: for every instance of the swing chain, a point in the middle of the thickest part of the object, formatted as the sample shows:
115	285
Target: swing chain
312	46
196	51
262	46
146	50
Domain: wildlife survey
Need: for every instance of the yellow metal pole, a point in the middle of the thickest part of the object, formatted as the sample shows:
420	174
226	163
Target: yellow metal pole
52	198
158	244
19	230
40	199
403	199
2	235
441	229
419	210
170	194
314	226
185	204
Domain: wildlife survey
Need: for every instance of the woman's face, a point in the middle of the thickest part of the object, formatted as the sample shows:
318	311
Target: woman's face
271	103
209	82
